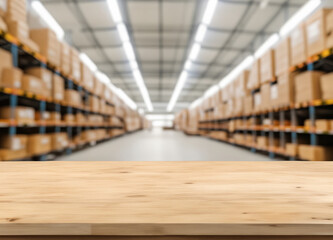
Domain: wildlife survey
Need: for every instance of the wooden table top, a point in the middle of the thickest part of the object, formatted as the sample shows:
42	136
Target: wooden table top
166	198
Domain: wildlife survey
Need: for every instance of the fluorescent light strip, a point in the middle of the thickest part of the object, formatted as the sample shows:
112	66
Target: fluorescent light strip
299	16
114	9
201	32
143	89
180	84
129	51
194	51
84	57
196	103
270	42
212	90
48	18
122	30
209	11
199	37
236	71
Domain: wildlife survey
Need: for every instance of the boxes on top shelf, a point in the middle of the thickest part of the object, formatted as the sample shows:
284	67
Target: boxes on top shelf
73	98
257	102
326	86
98	87
282	57
248	105
240	84
298	45
75	65
267	66
48	44
16	10
265	96
65	60
329	30
3	25
307	86
254	77
316	32
87	77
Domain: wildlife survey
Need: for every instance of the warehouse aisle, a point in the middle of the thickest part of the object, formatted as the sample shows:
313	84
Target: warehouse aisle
163	146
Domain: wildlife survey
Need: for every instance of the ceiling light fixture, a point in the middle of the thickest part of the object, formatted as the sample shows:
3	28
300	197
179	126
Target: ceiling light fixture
270	42
299	16
194	51
236	71
84	58
201	33
175	95
48	18
129	51
199	37
122	30
115	11
209	12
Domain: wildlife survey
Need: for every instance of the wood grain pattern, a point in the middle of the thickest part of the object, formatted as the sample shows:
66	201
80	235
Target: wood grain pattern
166	198
166	238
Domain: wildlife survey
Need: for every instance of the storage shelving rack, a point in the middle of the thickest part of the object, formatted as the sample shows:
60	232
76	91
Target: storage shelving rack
23	58
295	113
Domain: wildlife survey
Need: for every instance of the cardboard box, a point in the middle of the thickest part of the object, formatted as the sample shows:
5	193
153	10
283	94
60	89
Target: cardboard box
248	105
87	77
274	96
80	118
282	57
8	155
48	44
241	84
329	30
75	67
267	67
55	116
59	141
298	46
265	96
73	98
315	153
98	87
257	102
11	78
286	91
34	85
14	143
65	60
69	118
6	60
316	32
254	77
58	88
43	116
307	86
94	104
326	86
19	29
45	75
3	25
292	149
323	125
23	115
39	144
262	142
16	10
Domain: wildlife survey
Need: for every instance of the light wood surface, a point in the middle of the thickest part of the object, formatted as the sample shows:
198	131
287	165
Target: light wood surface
166	198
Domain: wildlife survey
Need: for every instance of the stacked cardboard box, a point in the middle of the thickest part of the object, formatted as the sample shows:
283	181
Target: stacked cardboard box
59	141
75	65
307	86
10	77
46	76
13	147
73	98
87	77
22	115
326	86
48	44
16	19
65	60
267	67
39	144
315	153
298	45
254	77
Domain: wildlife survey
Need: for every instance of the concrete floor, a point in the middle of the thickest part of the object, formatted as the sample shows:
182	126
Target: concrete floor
160	145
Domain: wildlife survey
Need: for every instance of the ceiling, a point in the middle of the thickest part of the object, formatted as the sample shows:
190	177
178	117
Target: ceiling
162	32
